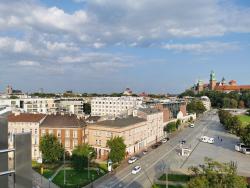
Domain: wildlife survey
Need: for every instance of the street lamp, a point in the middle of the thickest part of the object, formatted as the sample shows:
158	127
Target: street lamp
64	175
88	162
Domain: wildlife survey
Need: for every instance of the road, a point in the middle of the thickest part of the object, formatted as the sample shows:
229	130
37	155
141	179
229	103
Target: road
164	157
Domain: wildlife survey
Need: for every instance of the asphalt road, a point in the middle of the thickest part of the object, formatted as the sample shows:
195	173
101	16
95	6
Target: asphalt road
161	159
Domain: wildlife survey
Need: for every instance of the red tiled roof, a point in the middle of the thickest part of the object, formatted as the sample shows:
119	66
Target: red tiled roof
25	117
232	88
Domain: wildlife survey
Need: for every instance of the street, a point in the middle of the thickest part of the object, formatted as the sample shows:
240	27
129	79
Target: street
166	156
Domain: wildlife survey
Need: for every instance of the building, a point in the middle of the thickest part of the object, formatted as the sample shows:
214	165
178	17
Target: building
20	123
69	129
171	109
72	105
139	131
128	92
114	106
206	102
221	86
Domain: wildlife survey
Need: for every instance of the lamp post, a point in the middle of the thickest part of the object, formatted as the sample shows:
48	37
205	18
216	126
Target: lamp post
64	175
88	162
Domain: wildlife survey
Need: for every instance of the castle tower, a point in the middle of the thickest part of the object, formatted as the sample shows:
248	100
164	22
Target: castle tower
200	86
212	81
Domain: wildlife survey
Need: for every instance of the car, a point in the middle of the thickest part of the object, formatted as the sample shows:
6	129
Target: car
132	160
240	147
145	152
136	169
164	140
183	142
207	139
154	146
246	151
191	125
158	143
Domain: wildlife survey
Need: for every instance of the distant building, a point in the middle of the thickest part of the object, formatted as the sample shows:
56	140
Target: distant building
128	92
114	106
221	86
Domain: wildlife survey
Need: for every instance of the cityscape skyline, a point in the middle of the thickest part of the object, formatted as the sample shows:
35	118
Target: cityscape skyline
78	45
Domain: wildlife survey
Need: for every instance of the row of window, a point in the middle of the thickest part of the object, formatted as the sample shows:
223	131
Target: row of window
125	103
58	133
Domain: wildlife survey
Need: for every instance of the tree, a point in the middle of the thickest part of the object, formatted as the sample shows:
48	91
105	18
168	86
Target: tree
80	156
52	150
245	135
178	123
87	108
196	106
170	127
216	175
117	149
241	104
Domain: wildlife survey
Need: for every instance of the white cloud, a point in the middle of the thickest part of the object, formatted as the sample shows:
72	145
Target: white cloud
204	47
98	45
28	63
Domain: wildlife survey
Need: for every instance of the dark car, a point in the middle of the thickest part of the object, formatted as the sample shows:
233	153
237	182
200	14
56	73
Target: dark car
154	146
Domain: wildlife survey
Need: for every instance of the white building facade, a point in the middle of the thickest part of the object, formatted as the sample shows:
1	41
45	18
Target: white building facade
114	106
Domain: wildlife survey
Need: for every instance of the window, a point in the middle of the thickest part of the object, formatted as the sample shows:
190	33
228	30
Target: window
22	130
67	134
35	140
35	131
67	143
50	131
43	132
75	142
58	133
100	142
74	134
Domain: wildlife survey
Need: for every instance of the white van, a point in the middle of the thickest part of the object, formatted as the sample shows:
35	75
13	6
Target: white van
240	146
246	151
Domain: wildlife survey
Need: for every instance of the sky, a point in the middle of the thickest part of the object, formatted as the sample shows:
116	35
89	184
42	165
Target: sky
105	46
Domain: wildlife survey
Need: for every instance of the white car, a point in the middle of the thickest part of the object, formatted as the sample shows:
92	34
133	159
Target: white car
132	160
207	139
240	147
136	169
191	125
164	140
246	151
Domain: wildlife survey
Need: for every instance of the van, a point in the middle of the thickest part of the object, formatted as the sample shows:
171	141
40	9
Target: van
246	151
240	146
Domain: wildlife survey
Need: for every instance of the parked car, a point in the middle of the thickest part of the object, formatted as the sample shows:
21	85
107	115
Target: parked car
145	152
136	169
132	160
154	146
183	142
164	140
246	151
158	143
191	125
207	139
240	146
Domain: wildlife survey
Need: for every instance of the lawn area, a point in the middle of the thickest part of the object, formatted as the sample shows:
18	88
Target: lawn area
75	179
48	170
176	177
245	119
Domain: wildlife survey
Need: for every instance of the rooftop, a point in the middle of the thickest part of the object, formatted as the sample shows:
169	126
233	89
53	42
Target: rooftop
25	117
121	122
63	121
149	110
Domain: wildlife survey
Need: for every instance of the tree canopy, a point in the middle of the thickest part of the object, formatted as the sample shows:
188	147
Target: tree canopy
170	127
117	149
216	175
196	106
52	150
80	156
245	135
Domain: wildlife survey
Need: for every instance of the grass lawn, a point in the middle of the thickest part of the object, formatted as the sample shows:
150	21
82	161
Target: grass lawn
75	179
245	119
48	170
176	177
